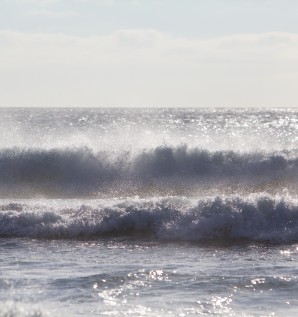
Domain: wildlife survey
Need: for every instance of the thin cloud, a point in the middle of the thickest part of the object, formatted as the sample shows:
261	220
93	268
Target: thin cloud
144	66
52	14
41	2
149	44
146	45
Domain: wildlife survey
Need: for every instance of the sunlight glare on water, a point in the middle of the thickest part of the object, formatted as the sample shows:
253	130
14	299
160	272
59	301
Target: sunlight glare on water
148	212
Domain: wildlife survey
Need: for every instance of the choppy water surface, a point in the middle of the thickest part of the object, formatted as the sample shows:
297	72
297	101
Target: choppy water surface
168	212
146	278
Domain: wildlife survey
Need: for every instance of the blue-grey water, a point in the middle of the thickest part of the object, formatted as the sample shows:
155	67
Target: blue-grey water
148	212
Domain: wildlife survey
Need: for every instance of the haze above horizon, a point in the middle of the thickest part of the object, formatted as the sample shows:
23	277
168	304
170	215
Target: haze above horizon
138	53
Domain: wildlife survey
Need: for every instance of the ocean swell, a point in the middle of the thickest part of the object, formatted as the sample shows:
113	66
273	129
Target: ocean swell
79	172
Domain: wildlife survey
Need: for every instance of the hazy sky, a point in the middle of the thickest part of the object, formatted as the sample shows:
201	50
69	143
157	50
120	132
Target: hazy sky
149	53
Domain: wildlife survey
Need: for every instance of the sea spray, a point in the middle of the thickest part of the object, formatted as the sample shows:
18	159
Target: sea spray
257	217
82	172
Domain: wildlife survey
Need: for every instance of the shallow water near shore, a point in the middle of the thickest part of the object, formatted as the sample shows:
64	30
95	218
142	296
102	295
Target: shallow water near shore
125	276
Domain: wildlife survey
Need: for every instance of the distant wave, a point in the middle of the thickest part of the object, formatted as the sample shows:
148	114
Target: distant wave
80	171
254	217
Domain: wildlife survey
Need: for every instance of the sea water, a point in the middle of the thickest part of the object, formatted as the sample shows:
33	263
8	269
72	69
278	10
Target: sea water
148	212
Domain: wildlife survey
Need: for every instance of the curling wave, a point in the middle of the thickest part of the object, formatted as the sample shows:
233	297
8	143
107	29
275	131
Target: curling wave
81	172
259	217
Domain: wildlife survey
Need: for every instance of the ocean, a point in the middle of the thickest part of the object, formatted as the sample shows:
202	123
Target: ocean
148	212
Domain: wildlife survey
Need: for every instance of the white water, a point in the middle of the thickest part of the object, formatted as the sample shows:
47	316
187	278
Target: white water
131	212
257	217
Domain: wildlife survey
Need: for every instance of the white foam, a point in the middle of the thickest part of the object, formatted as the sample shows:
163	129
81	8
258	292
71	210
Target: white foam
14	309
259	217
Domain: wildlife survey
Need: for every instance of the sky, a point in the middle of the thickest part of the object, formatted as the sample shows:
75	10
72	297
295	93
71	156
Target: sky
148	53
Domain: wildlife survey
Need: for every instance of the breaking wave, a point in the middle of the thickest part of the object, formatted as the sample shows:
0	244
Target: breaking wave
81	171
257	217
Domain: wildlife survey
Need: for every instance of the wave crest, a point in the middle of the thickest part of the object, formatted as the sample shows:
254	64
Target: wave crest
81	172
255	217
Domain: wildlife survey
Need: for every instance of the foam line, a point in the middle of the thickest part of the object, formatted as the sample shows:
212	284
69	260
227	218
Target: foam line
258	217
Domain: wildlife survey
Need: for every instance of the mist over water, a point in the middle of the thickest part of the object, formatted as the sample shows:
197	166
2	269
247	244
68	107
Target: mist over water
149	170
148	212
116	130
112	152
